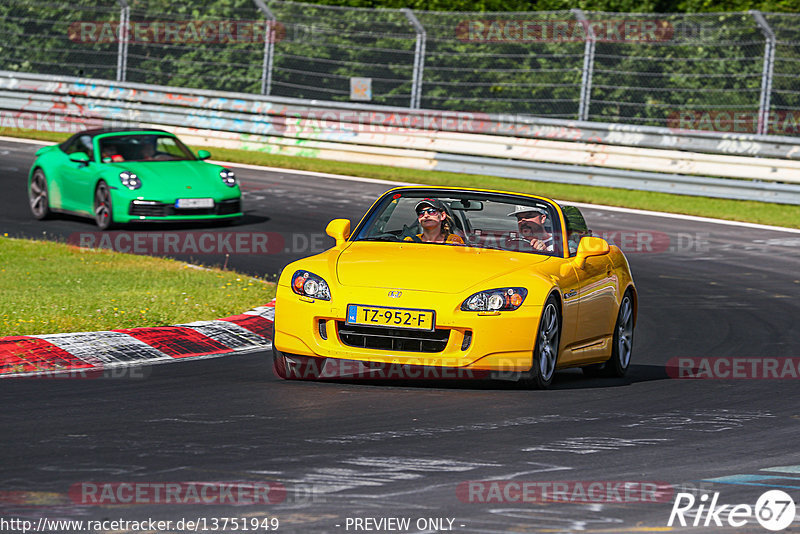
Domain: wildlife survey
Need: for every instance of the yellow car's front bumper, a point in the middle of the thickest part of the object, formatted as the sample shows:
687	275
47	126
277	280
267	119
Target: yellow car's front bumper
499	341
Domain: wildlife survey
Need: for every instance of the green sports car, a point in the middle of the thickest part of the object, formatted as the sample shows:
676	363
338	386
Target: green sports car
118	176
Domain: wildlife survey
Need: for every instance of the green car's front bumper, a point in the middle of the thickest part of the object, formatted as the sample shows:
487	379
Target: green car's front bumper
127	209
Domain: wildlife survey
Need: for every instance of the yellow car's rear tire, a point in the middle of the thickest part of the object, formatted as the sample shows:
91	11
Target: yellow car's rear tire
621	344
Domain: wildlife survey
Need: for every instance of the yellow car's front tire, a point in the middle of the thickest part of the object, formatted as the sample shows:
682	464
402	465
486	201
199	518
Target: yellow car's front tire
545	352
279	364
290	367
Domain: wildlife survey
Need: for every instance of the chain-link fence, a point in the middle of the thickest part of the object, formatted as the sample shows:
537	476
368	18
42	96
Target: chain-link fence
715	71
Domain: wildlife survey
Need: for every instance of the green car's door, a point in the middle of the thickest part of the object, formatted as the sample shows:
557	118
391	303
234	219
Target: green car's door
77	178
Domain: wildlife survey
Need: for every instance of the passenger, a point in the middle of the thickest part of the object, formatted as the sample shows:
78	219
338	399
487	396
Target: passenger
110	154
437	226
576	228
532	222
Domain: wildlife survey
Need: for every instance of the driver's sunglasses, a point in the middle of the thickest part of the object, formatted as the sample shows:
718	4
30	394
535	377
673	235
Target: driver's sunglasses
428	211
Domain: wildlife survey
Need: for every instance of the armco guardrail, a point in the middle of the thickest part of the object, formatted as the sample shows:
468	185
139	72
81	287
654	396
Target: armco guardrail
644	158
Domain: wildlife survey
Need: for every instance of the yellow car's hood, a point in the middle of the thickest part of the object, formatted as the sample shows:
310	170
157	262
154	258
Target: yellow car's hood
426	267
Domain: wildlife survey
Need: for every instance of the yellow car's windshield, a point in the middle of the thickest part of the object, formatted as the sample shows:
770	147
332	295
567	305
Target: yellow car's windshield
492	221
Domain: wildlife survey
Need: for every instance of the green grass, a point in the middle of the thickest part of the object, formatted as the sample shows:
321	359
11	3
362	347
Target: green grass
50	287
737	210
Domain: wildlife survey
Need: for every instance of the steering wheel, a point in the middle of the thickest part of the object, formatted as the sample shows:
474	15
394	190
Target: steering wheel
516	243
409	232
388	236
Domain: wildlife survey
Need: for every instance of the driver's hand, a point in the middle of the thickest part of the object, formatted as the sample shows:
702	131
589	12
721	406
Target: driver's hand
537	244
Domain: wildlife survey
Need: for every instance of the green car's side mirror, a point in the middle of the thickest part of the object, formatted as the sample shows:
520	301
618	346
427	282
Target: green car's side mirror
203	154
79	157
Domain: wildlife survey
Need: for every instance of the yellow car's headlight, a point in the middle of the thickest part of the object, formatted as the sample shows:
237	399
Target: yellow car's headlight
501	299
310	285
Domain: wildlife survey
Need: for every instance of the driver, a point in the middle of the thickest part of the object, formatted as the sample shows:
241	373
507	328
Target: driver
148	152
531	223
437	227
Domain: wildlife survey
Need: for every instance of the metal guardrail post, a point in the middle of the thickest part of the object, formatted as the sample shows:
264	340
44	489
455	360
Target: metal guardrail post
122	40
588	65
269	47
766	73
419	58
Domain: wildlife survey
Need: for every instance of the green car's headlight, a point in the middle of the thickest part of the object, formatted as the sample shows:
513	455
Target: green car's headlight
130	180
310	285
228	177
501	299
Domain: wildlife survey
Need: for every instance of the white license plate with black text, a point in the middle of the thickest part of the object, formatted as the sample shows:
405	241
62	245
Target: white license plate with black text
194	203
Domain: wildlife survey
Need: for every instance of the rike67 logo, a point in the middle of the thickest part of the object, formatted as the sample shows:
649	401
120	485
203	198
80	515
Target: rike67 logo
774	510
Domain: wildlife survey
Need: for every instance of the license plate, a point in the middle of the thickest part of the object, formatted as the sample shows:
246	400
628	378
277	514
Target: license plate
194	203
393	317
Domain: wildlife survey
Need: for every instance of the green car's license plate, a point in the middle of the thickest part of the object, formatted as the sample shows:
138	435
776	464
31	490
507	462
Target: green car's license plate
393	317
194	203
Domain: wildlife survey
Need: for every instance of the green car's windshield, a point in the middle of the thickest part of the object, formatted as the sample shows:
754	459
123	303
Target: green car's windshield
143	147
491	221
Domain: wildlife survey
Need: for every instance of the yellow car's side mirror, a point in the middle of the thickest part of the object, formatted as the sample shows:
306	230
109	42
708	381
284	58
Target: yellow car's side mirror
339	229
591	246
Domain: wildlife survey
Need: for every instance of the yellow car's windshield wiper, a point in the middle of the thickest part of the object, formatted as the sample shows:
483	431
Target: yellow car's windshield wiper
387	237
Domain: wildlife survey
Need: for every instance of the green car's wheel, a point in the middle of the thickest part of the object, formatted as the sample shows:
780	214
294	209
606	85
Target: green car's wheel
545	352
37	195
103	211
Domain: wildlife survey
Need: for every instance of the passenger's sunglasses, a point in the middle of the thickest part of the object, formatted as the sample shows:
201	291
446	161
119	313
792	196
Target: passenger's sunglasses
428	211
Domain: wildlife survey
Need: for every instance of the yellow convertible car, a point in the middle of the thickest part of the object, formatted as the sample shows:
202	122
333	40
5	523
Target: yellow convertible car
457	283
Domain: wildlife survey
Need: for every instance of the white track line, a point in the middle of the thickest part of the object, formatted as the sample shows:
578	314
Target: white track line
27	141
388	182
311	173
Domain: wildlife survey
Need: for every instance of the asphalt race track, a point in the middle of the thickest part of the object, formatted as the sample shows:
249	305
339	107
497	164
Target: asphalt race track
352	455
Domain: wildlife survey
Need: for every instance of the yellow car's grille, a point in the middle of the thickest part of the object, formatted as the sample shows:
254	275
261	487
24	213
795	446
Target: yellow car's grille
399	339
